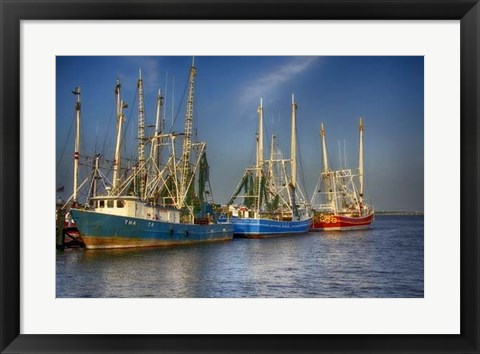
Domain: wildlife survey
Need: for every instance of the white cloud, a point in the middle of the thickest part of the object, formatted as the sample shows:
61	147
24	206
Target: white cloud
150	71
266	84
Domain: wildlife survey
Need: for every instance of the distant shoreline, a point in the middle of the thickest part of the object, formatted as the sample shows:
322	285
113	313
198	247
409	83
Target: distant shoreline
406	213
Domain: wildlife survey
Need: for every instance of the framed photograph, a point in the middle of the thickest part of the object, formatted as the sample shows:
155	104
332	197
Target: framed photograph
239	177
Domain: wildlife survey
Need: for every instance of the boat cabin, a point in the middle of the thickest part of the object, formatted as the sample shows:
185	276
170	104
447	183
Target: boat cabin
130	206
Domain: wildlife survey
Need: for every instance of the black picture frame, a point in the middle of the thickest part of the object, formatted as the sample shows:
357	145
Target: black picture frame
13	12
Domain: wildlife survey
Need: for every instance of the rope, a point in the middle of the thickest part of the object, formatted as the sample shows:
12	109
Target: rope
108	133
65	145
179	105
301	168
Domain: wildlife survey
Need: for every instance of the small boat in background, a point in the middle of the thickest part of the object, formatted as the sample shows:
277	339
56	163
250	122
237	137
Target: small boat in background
338	202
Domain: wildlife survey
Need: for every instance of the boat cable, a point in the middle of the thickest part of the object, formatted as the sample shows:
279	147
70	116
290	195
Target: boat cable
123	141
178	109
66	141
301	169
109	167
96	138
108	133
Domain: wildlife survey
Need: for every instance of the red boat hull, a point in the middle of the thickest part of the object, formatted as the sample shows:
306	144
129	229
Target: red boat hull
329	222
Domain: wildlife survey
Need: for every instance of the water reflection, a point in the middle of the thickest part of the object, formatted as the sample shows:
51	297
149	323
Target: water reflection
385	261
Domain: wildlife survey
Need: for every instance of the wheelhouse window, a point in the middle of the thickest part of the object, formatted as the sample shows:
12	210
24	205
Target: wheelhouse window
120	203
102	204
109	203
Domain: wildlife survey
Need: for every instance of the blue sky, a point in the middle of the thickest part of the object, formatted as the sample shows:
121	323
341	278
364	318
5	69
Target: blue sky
388	92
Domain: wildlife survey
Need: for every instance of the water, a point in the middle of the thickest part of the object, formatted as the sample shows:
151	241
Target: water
384	261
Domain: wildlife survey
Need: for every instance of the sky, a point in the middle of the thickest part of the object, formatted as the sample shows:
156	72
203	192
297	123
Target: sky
386	91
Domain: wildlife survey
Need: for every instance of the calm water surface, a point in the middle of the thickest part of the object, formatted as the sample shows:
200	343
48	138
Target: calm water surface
384	261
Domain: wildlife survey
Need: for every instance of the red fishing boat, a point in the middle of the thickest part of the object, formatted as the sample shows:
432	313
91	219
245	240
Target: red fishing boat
338	202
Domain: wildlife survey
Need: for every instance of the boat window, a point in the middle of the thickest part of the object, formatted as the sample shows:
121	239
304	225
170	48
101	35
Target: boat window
109	203
120	203
102	204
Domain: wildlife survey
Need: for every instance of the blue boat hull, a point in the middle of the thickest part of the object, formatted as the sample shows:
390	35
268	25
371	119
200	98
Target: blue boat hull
101	231
259	228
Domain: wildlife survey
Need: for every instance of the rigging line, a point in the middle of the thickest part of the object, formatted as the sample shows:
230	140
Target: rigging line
301	168
110	167
179	105
66	141
267	134
109	129
165	101
82	137
253	151
96	137
129	120
195	112
195	120
173	100
339	156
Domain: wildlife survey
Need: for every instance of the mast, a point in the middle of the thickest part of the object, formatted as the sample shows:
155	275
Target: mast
271	177
293	147
159	126
141	134
116	161
272	155
259	162
95	176
326	178
293	156
360	163
76	153
260	139
324	148
187	141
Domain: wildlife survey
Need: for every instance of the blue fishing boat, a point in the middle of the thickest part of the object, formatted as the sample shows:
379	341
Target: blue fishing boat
271	201
164	200
264	227
124	222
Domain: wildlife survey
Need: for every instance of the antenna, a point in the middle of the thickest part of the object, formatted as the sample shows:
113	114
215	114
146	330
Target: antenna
116	160
173	97
293	143
324	148
187	139
76	154
339	155
165	98
360	161
141	134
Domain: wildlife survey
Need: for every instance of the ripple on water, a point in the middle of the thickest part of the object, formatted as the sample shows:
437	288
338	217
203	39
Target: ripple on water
384	261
